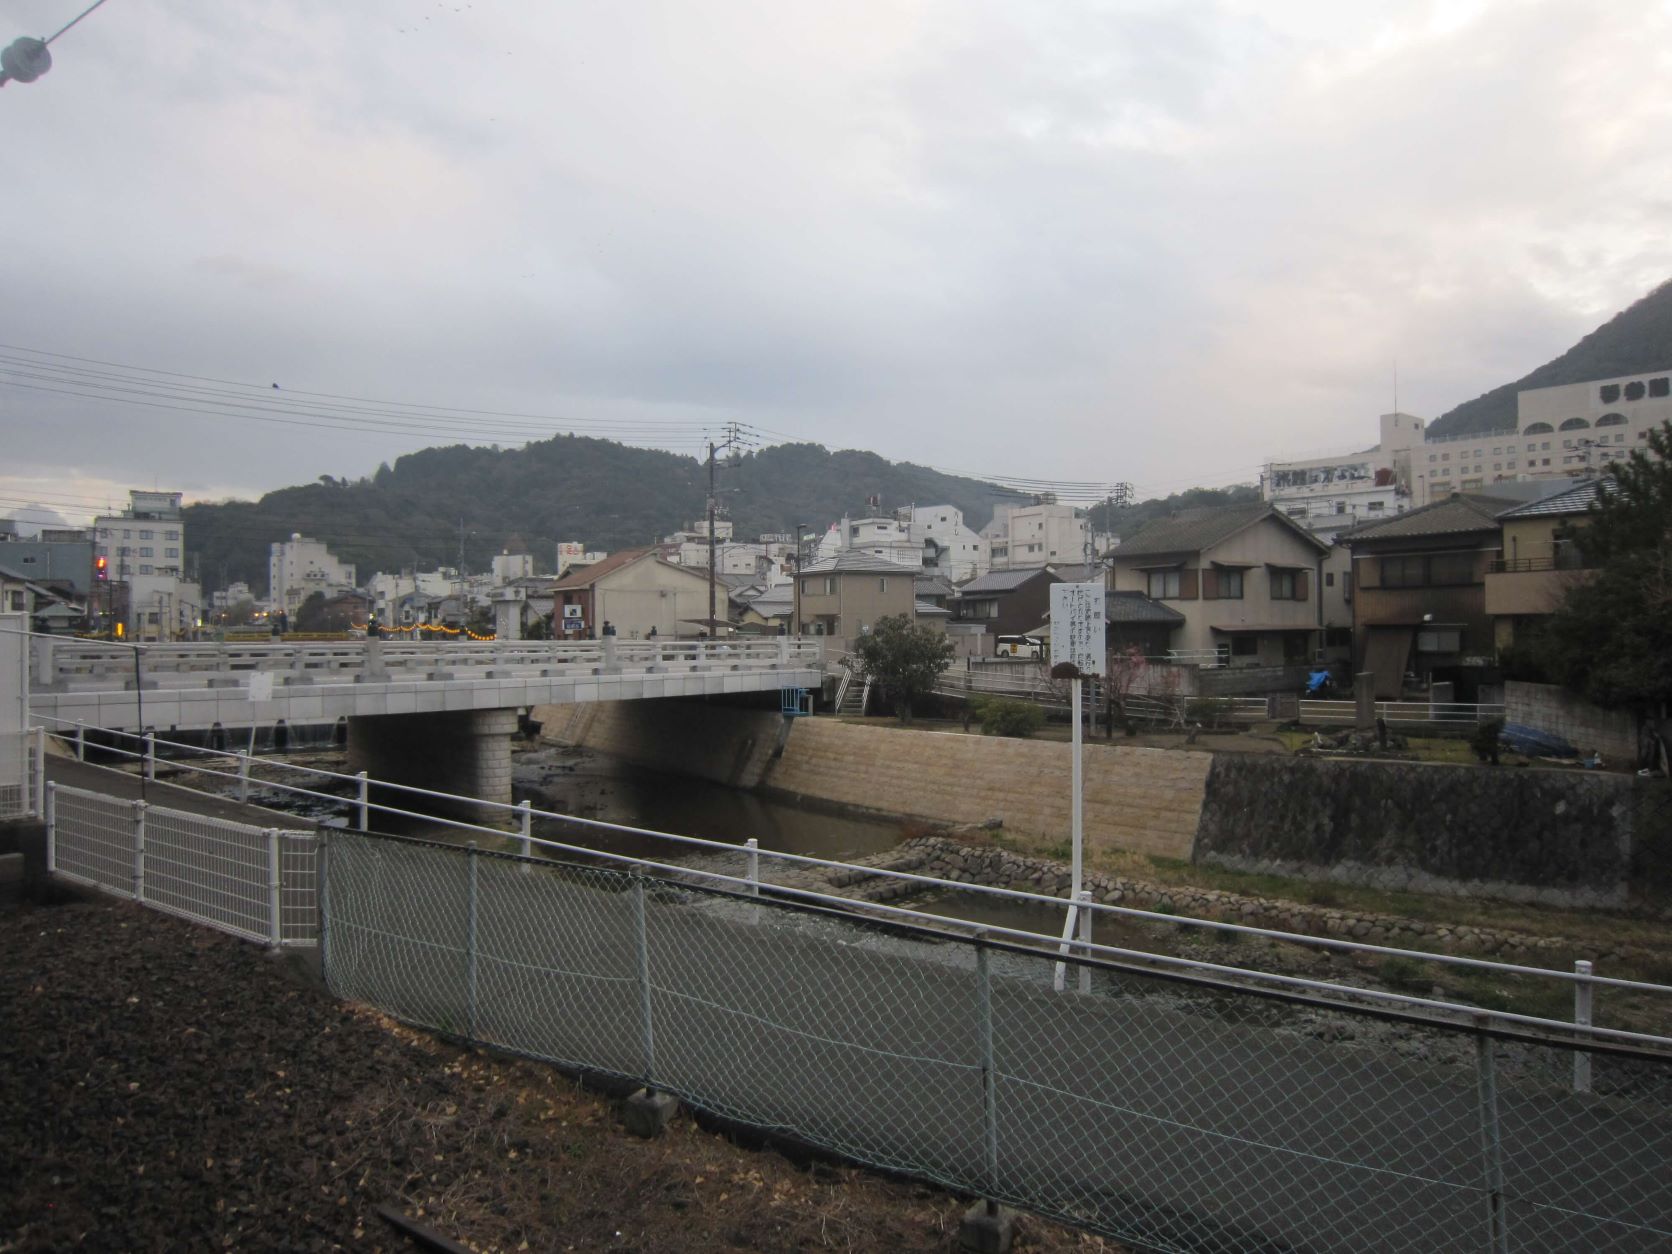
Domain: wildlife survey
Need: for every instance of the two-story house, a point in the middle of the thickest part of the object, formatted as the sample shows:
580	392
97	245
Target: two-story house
1242	578
1538	561
1004	603
844	595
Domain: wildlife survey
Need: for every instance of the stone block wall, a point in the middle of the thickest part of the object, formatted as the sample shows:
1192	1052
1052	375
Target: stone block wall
1562	837
1548	708
1145	800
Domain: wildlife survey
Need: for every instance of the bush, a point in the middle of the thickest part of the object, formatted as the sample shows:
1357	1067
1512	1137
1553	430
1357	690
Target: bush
1209	711
1484	741
1002	717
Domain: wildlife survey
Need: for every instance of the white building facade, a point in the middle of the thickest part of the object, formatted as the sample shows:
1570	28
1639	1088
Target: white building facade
1042	534
1327	495
144	585
299	567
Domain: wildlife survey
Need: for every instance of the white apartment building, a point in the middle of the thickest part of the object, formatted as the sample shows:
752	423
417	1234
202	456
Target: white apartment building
299	567
144	552
1024	536
1327	495
949	546
1567	431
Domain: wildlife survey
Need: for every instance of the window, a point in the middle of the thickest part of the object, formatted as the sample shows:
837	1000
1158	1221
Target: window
171	535
1609	393
1445	457
1375	507
1440	640
1567	443
145	551
1510	463
1612	420
1574	424
1660	387
882	584
145	535
818	587
171	552
1230	585
1451	569
1245	644
145	570
1283	585
127	533
1635	390
1538	428
1329	579
1404	572
1163	584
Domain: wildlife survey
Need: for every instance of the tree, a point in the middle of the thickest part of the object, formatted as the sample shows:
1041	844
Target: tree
310	615
1610	640
905	659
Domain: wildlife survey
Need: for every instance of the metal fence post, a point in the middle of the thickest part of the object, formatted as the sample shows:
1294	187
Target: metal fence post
641	932
322	883
1583	991
1085	939
275	932
364	800
989	1071
80	743
51	828
37	779
525	826
753	861
150	755
470	857
243	777
1491	1141
139	850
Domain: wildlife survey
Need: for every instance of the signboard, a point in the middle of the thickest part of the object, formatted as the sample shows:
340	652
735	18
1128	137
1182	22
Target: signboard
572	611
1077	626
261	685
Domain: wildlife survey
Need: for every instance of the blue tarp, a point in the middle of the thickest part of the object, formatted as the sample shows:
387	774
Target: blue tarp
1532	743
1317	680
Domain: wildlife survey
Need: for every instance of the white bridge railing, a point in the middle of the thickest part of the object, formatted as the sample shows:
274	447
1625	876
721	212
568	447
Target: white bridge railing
75	664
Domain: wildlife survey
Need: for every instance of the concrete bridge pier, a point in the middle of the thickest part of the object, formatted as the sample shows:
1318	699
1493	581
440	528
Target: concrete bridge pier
460	751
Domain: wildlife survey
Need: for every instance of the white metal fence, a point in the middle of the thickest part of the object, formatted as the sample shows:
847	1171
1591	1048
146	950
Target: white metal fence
1461	713
1167	1107
22	773
258	883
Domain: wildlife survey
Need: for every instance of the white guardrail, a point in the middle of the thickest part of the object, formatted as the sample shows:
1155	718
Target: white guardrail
748	857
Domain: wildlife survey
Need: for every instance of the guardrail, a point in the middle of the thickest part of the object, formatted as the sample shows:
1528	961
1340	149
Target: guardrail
257	883
1395	713
22	774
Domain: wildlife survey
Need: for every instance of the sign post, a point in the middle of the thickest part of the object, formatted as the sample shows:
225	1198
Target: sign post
1077	649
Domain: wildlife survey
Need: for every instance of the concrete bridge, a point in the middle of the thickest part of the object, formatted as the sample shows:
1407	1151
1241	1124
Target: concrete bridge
438	713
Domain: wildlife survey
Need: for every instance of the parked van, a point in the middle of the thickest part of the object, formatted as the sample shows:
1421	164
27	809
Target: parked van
1022	646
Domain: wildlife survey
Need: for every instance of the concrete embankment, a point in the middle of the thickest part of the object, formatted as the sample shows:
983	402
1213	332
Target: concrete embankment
1143	800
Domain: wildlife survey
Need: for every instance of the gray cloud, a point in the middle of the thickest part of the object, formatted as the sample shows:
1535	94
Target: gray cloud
1127	240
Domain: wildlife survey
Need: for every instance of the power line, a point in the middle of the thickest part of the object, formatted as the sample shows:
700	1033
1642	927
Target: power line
74	20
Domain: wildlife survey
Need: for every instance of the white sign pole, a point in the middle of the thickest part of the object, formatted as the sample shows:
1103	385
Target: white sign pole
1077	637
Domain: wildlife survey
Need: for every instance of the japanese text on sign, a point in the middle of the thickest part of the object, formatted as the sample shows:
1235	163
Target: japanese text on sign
1077	625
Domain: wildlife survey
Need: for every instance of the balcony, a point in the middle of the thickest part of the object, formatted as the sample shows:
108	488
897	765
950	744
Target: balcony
1530	585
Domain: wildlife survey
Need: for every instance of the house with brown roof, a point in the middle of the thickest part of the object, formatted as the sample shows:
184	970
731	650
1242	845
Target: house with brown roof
1542	556
1243	581
635	591
1419	590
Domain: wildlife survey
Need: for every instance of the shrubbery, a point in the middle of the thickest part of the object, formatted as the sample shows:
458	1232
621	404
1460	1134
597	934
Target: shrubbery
1002	717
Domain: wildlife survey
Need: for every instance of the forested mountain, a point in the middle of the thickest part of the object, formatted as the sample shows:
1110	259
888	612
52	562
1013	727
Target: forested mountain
607	495
1635	341
524	500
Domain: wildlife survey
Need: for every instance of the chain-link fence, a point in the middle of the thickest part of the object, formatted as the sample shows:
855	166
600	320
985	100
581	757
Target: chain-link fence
255	882
1169	1110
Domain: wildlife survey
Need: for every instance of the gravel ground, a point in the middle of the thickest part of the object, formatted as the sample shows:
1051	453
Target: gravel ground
165	1087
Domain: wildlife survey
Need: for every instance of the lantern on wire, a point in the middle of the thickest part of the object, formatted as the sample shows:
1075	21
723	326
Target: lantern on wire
24	60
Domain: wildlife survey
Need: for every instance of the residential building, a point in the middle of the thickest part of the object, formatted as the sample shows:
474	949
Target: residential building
771	611
299	567
236	593
1004	603
948	546
1025	536
846	594
635	591
57	557
1326	495
1537	562
144	588
1243	578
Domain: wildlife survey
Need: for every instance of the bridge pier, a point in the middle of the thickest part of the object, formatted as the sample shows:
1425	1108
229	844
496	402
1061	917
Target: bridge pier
459	751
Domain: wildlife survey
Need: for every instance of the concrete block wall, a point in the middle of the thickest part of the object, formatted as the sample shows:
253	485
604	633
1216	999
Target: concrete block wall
1548	708
1144	800
466	752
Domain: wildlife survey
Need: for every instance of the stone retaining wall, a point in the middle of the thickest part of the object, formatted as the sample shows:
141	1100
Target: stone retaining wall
1146	800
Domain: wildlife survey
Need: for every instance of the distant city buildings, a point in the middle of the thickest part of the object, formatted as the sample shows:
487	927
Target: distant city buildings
142	584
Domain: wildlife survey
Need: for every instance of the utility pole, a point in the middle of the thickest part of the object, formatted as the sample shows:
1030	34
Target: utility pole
734	439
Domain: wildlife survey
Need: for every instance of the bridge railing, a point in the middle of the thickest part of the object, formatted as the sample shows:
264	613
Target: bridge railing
61	663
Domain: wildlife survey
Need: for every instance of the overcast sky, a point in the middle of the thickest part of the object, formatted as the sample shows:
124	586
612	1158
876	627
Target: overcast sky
1156	242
